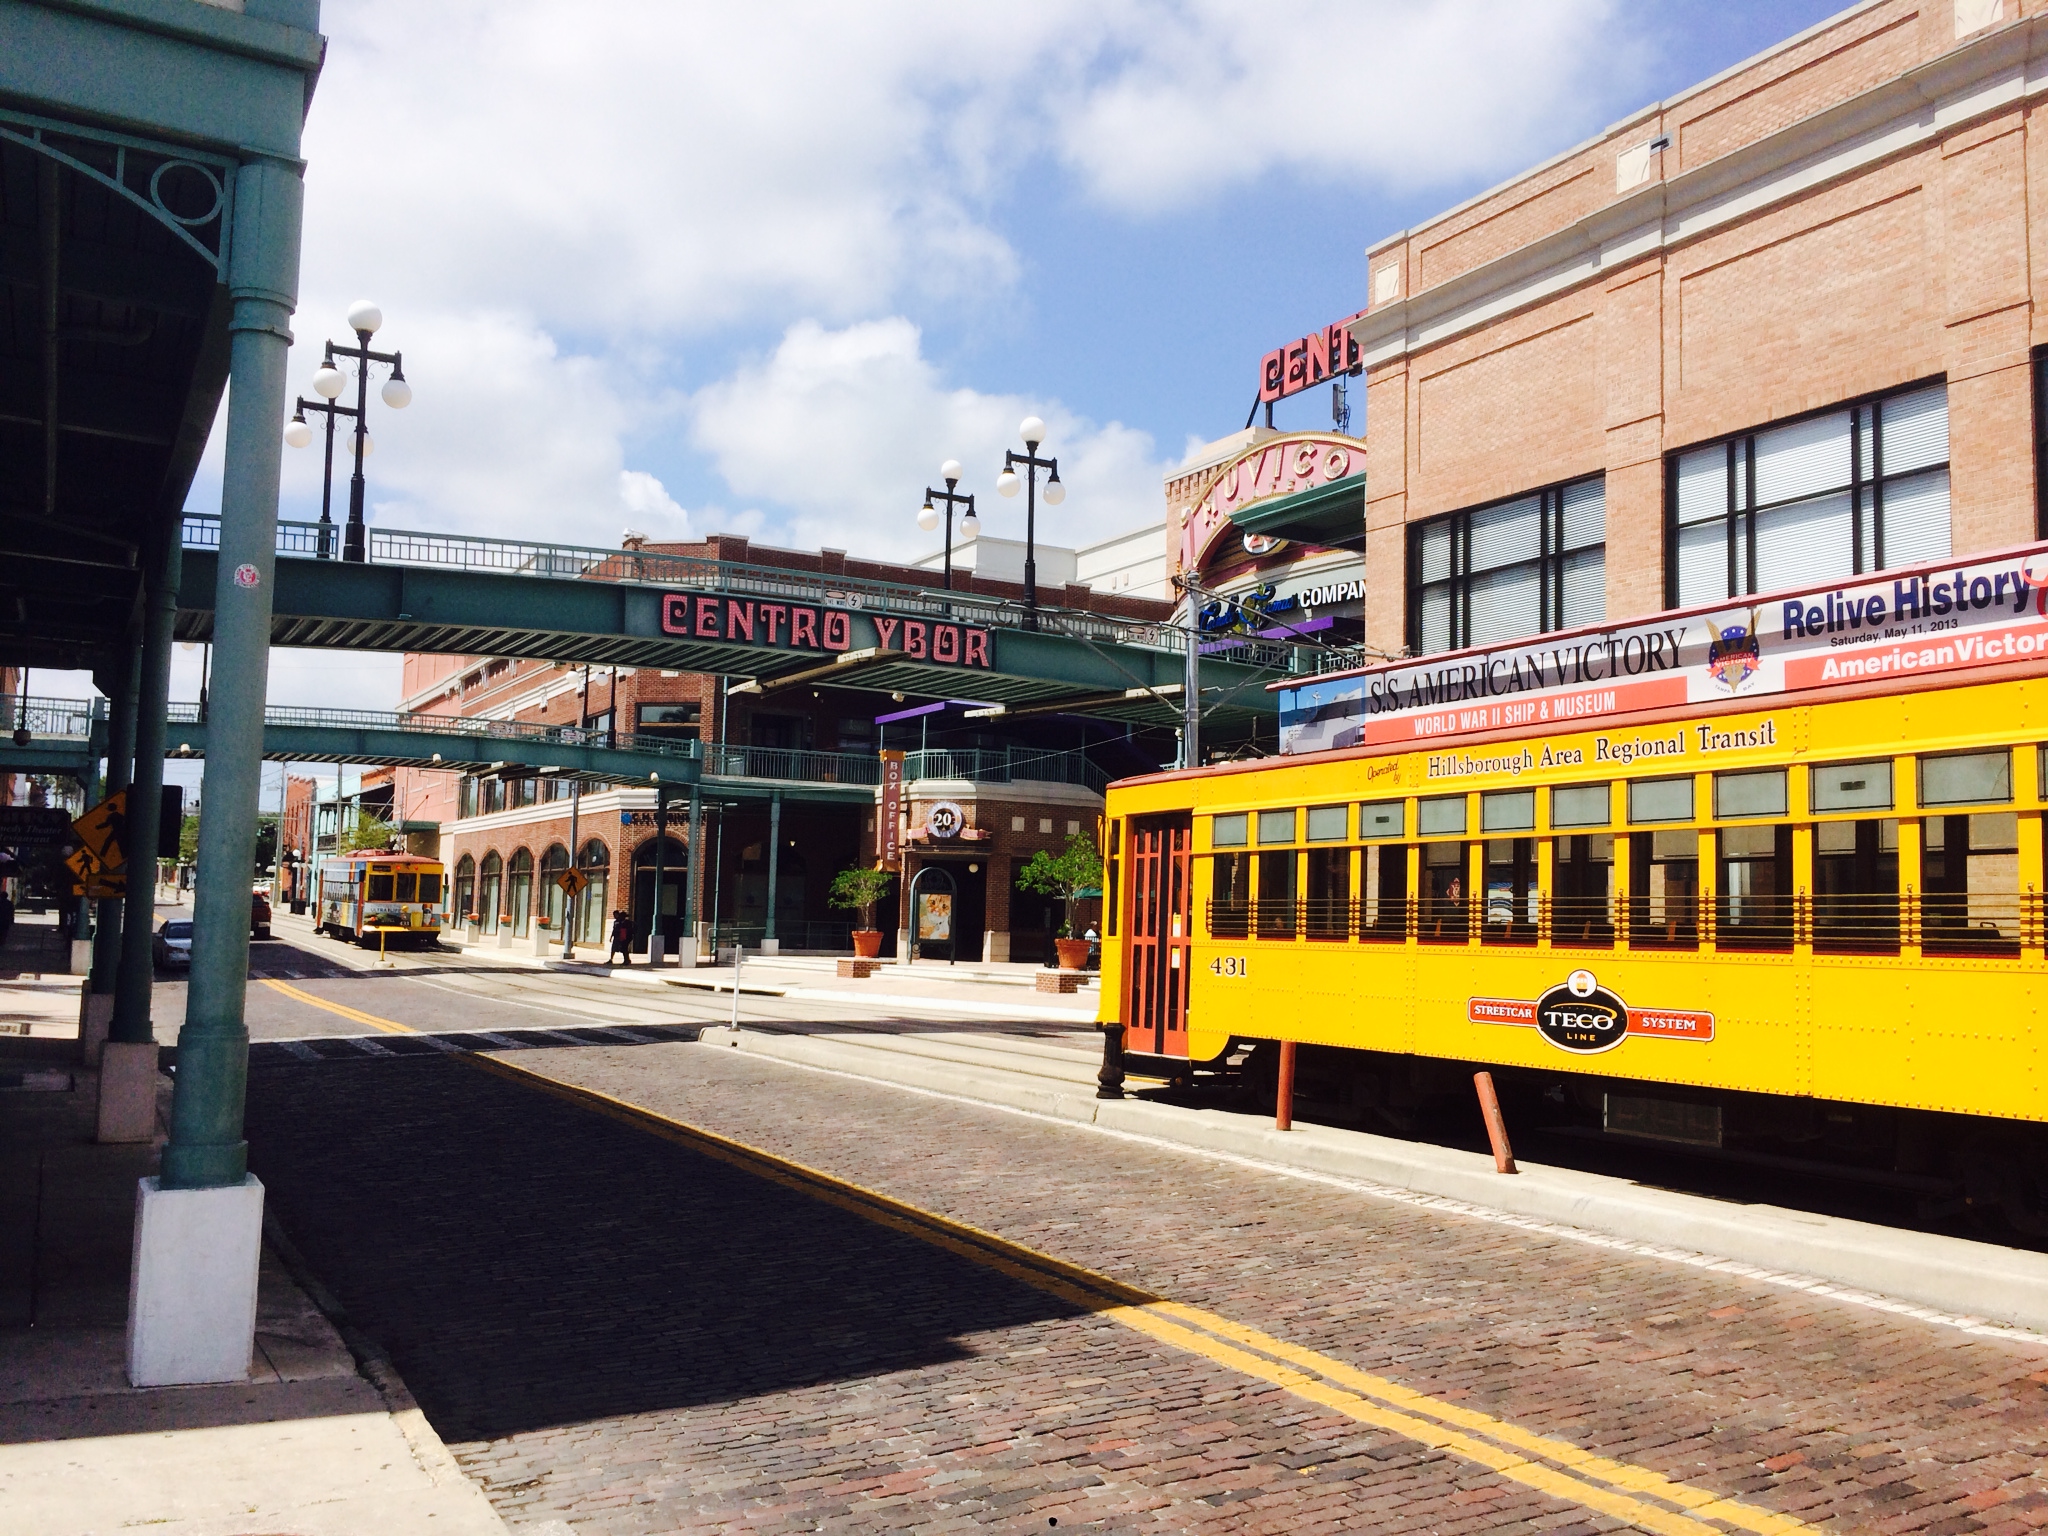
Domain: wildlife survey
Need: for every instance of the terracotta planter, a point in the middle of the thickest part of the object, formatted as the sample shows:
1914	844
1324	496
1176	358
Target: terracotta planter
1073	954
867	942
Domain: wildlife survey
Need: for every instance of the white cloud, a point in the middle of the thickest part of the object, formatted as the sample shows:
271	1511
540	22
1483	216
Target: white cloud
846	428
507	435
1192	97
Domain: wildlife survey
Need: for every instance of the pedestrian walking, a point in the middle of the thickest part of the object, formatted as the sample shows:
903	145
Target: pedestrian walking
622	937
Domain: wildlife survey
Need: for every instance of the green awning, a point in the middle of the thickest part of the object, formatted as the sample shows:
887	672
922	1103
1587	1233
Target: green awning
1332	516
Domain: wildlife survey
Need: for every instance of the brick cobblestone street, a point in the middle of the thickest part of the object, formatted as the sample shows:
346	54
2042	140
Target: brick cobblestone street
620	1333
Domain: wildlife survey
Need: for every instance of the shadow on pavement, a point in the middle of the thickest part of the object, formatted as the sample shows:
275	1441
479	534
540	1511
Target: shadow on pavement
527	1263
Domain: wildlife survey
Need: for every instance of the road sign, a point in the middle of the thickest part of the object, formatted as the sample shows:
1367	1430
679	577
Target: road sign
104	829
572	881
94	878
34	826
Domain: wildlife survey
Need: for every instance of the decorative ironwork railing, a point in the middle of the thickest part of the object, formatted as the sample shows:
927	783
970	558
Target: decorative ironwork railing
65	719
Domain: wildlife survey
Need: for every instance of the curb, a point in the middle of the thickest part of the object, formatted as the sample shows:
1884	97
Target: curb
1970	1280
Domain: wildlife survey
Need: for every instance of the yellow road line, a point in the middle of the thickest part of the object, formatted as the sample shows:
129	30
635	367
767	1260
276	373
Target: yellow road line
1582	1477
389	1026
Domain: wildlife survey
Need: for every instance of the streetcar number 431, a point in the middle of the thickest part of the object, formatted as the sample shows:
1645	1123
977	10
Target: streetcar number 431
1229	965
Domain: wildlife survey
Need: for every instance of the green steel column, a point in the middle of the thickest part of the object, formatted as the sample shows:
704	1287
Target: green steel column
693	867
206	1148
106	938
655	926
145	794
774	856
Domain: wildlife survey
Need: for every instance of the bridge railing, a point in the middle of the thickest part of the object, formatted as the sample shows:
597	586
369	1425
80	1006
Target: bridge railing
988	765
511	732
68	719
521	557
791	764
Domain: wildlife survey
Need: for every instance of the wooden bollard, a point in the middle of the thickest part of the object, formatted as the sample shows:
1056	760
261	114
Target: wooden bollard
1283	1099
1496	1127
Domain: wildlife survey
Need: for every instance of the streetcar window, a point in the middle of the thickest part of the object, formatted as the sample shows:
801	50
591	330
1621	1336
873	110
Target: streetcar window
1660	800
1664	886
1382	818
1385	892
1276	826
1443	816
1445	910
1230	885
1753	888
380	887
1582	889
1970	869
1276	893
1856	884
1853	786
1750	794
1582	805
1511	810
1511	899
1970	778
1328	823
430	888
407	884
1327	914
1228	831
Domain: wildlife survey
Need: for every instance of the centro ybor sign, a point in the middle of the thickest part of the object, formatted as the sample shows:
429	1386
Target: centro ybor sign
804	627
1961	616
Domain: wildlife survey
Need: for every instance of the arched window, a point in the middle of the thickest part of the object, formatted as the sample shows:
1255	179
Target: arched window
465	888
552	904
490	887
519	892
594	906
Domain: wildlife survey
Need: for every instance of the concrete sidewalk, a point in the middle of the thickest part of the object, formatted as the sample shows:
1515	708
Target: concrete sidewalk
311	1444
1975	1285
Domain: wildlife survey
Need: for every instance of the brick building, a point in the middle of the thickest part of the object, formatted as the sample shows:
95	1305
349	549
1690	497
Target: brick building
795	766
1780	328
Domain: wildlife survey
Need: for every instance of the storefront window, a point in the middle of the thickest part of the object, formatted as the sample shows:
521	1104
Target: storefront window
594	906
519	892
552	903
490	890
1516	568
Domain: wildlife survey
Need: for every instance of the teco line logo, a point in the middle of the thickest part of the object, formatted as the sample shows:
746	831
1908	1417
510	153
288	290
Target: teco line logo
1584	1018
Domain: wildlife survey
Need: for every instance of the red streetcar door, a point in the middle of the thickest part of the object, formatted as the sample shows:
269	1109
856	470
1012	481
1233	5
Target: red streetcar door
1157	956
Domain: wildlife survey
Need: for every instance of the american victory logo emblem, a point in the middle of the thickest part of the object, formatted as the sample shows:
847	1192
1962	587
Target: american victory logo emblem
1734	654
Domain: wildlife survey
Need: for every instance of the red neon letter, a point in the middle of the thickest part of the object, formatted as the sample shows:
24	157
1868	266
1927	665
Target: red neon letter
886	628
707	617
945	642
771	619
675	614
803	627
913	639
838	631
977	648
739	620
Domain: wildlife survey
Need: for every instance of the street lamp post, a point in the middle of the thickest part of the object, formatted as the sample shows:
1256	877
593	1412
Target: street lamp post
1032	430
298	433
365	319
928	515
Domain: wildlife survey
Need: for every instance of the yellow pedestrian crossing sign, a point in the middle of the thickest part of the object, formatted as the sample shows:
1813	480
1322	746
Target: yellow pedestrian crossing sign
104	829
572	881
93	878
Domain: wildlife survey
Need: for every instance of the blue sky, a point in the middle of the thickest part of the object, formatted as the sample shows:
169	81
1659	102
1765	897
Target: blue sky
689	268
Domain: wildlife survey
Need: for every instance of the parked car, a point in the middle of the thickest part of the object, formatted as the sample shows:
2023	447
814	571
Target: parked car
259	915
174	942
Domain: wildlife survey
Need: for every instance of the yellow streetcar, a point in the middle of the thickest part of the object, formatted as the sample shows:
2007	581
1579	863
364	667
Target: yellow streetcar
1764	878
382	897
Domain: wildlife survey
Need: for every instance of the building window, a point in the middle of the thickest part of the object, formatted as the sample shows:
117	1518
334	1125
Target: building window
677	721
1516	568
2041	442
1810	502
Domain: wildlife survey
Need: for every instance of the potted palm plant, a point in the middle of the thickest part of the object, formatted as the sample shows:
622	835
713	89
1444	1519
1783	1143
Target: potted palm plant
858	889
1074	869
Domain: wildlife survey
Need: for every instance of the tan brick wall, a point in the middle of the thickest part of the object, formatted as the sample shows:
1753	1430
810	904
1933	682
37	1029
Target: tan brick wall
1913	267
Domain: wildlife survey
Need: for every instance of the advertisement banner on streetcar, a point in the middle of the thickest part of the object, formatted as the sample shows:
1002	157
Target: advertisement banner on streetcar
1944	621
